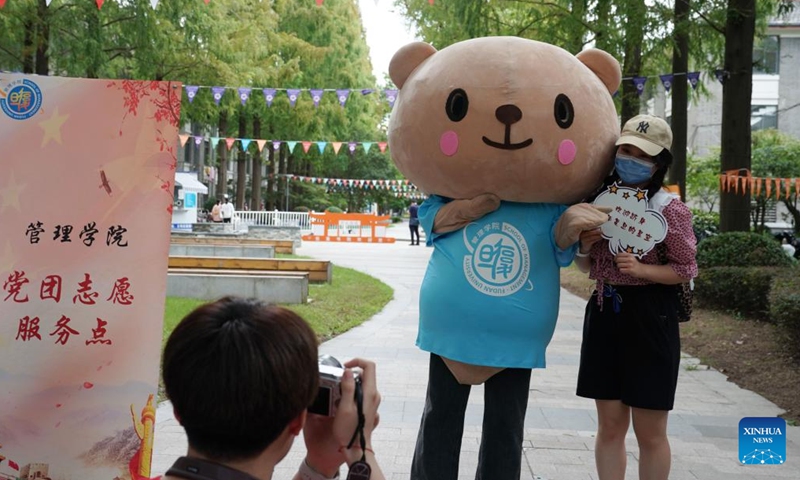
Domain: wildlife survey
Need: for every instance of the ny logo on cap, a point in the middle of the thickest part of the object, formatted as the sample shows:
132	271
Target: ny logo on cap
643	126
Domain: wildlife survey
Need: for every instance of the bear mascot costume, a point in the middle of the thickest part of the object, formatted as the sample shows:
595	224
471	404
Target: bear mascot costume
503	134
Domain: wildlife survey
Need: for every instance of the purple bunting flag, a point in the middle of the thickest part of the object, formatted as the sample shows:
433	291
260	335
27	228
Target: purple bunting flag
639	82
293	93
244	94
391	96
366	91
721	75
269	96
352	146
198	139
694	78
191	92
342	95
276	145
316	95
218	92
666	80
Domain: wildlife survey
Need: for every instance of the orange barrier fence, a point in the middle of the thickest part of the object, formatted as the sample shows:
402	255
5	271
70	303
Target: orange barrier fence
349	227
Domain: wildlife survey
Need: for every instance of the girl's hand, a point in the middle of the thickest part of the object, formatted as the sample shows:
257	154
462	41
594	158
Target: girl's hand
628	264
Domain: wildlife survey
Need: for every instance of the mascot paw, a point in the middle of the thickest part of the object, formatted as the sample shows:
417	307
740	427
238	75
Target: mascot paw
577	219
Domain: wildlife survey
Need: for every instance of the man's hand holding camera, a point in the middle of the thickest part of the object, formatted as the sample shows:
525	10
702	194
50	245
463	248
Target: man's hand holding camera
327	437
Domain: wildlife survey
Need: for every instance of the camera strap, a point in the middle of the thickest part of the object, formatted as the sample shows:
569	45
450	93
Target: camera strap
359	470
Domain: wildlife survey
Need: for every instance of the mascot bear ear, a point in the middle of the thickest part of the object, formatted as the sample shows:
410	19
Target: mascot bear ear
407	59
604	66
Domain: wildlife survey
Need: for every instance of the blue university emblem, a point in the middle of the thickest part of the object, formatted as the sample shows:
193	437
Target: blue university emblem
21	99
498	263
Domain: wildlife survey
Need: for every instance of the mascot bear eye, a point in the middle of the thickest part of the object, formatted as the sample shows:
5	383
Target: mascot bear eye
564	111
457	105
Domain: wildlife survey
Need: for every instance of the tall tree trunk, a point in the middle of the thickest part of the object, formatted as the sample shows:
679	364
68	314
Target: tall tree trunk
271	179
222	179
43	40
632	64
680	95
255	177
284	183
28	47
602	10
241	164
737	91
93	23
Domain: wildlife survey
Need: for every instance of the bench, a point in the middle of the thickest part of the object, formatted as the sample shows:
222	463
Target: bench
319	271
281	246
266	286
248	251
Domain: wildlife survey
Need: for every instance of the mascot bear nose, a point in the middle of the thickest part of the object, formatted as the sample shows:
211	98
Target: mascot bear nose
508	114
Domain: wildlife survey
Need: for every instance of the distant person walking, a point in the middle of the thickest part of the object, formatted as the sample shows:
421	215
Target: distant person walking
227	210
413	221
216	212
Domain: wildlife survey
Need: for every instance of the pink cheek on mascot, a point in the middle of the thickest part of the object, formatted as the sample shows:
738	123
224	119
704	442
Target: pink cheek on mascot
448	143
566	152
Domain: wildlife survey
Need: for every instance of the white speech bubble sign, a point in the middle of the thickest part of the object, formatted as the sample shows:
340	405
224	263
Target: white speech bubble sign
632	227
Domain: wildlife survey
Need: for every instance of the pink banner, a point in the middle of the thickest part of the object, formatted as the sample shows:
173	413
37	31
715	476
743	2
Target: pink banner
86	194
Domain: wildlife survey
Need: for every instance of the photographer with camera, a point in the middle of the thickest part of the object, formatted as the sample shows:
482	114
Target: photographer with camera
241	375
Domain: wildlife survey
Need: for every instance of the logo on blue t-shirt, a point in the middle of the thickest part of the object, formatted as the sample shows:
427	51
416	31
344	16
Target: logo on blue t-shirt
498	263
762	441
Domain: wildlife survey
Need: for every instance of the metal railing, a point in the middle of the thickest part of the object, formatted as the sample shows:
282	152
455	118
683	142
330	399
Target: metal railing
274	218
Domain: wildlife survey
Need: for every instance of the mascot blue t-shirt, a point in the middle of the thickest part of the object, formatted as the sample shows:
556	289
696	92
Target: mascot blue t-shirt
490	293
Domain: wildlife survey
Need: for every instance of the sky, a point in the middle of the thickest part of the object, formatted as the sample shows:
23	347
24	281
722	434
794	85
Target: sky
386	32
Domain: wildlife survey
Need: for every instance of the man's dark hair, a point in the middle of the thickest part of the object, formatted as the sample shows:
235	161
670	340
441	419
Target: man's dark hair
237	372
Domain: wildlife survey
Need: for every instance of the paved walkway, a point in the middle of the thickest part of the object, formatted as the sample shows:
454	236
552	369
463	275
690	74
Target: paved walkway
560	427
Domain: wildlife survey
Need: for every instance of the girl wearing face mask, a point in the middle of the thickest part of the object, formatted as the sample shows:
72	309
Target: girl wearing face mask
631	345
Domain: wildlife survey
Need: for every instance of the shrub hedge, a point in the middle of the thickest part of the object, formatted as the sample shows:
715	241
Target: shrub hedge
741	290
784	302
741	249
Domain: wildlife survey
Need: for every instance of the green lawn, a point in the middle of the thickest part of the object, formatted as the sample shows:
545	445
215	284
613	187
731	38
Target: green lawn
352	298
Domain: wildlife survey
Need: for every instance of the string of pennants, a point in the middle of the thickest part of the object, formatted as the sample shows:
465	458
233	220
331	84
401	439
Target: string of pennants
667	80
393	185
154	3
276	144
293	94
742	181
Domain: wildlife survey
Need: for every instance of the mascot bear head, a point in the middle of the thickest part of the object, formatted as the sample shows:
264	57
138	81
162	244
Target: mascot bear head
524	120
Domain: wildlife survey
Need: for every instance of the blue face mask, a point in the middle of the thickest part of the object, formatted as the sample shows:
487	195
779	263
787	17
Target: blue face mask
632	170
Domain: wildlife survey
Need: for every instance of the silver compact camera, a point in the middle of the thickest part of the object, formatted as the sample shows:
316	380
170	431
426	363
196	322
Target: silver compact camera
330	388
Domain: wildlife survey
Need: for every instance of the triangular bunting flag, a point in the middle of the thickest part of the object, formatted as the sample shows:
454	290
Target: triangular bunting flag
694	78
316	95
153	3
245	143
293	93
721	74
218	92
382	146
214	142
99	3
244	94
229	142
207	1
352	146
291	146
306	146
391	96
342	95
321	146
666	80
639	82
276	144
2	3
191	92
336	146
198	139
319	2
367	146
261	144
269	95
184	139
